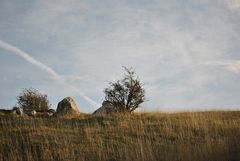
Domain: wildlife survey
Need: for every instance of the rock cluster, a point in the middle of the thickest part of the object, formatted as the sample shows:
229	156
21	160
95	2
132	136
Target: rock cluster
66	107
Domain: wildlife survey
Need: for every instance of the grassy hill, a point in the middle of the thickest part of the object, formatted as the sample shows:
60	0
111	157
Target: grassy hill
198	136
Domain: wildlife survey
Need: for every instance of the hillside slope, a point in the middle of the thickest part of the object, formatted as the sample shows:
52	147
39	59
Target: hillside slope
198	136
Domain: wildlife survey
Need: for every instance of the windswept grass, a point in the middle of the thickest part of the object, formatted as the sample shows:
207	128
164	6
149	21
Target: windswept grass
200	136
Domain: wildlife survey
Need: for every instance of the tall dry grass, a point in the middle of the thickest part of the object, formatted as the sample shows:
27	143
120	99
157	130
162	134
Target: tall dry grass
200	136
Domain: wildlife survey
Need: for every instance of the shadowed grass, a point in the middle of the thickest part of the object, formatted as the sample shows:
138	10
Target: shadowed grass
197	136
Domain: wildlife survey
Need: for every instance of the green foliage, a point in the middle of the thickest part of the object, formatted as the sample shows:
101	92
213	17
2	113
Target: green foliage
126	94
32	99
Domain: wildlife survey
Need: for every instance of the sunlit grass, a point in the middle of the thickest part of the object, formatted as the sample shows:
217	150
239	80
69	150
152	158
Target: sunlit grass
140	136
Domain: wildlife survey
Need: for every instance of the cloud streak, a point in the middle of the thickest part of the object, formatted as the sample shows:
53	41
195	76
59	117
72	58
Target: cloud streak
57	77
232	65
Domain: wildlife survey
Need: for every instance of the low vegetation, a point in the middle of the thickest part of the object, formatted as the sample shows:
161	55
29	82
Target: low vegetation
32	99
198	136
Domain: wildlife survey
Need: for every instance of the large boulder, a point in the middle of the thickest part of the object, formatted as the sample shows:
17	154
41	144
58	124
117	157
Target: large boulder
66	107
106	108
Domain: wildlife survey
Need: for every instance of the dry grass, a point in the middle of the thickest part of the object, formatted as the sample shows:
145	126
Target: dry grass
198	136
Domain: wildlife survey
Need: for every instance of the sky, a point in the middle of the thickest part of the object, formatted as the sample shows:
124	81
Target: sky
186	52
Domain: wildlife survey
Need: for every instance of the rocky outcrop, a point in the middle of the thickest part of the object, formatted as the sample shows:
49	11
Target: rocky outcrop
106	108
66	107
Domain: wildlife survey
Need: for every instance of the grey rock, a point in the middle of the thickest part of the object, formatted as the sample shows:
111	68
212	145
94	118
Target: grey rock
106	108
51	111
18	111
67	106
47	114
30	112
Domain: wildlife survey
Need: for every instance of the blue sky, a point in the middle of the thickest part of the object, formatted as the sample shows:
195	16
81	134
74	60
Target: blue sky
185	51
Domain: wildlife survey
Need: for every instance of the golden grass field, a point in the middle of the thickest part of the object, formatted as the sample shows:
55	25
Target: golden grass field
190	136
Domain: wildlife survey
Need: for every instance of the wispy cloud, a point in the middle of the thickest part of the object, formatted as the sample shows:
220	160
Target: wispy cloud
57	77
232	65
166	41
235	4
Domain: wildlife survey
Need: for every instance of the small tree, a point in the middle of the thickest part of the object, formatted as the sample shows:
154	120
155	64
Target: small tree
31	99
126	94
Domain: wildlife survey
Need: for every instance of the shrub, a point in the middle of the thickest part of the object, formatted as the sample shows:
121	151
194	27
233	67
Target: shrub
126	94
32	99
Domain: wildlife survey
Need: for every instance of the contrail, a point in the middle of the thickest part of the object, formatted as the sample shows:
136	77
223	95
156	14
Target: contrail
57	77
